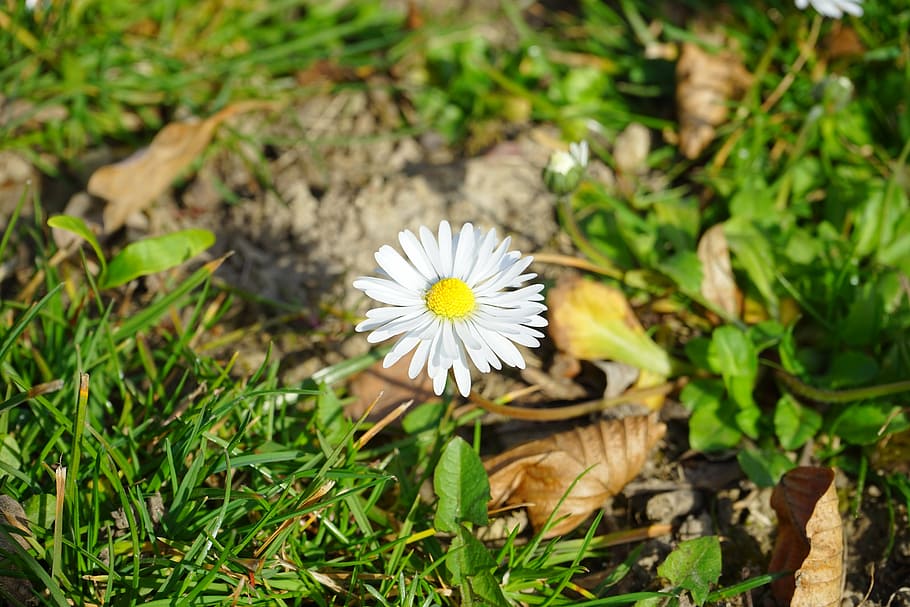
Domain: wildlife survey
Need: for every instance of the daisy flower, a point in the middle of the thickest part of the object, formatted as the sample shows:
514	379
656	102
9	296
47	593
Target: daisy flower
455	298
833	8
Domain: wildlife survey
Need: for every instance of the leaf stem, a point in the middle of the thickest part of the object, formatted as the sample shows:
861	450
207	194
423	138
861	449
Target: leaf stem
797	387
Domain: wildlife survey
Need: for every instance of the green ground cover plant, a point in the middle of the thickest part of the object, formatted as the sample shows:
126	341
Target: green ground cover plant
152	474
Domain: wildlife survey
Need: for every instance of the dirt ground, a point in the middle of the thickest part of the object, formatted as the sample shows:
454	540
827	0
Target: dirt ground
300	238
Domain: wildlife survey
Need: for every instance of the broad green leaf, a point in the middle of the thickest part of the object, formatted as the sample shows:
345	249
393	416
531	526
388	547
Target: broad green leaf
764	467
864	321
866	423
766	334
851	368
41	509
748	417
461	483
701	392
713	426
794	424
753	200
697	351
754	253
685	270
486	590
75	225
878	215
790	357
695	565
731	353
156	254
467	556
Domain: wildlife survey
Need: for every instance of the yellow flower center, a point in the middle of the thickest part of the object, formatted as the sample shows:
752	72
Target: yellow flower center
450	298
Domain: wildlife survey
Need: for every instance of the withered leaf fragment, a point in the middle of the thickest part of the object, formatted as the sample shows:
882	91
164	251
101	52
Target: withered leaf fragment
810	539
132	184
718	285
705	84
587	465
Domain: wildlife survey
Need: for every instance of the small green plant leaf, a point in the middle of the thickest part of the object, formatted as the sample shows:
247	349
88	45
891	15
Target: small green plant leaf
461	483
733	355
754	253
764	467
155	255
75	225
697	352
712	426
685	270
695	565
467	556
486	590
794	424
851	368
865	423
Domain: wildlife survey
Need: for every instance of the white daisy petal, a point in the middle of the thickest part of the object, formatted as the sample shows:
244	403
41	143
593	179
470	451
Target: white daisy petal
464	252
419	360
833	8
431	248
402	347
454	301
486	268
445	248
439	382
417	254
400	270
504	349
414	325
462	374
387	291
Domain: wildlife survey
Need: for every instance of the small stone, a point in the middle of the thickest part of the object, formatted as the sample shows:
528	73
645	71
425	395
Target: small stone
665	507
631	148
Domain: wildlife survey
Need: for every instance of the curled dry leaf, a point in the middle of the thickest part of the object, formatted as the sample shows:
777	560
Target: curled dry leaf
132	184
718	285
586	465
705	83
810	539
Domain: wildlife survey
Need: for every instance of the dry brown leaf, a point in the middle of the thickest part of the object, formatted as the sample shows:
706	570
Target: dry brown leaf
605	456
132	184
842	42
705	83
718	285
810	539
